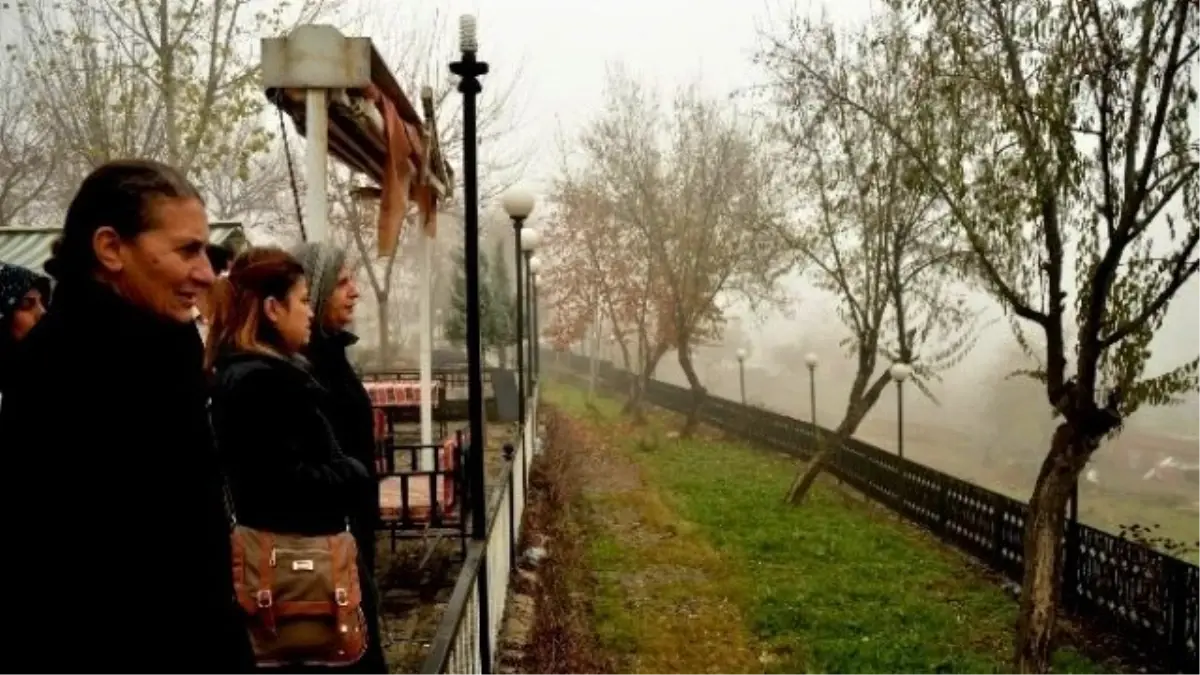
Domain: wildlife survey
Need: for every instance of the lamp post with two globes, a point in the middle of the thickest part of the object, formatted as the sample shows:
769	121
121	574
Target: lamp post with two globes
900	372
518	204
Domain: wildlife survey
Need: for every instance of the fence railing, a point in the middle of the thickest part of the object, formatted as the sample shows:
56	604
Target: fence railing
1148	597
468	637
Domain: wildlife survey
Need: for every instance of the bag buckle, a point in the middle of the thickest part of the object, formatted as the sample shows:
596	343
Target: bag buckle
341	597
264	599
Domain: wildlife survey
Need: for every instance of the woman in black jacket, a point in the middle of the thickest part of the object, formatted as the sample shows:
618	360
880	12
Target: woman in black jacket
333	295
286	470
347	406
113	511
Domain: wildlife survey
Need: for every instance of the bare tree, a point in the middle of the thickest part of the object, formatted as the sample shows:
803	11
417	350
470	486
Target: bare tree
599	267
874	238
692	181
28	159
1048	126
152	78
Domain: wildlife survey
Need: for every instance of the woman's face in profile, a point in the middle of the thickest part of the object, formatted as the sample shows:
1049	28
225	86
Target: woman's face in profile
291	317
29	311
164	269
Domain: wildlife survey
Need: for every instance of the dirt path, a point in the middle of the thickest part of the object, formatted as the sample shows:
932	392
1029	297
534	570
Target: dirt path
664	599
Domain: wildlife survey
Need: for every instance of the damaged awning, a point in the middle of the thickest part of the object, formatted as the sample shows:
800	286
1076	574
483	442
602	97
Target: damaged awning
373	127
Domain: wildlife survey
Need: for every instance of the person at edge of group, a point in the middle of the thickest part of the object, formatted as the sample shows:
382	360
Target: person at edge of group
118	535
285	469
24	295
333	295
221	258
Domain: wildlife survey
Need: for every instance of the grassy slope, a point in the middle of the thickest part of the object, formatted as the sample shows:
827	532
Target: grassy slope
833	586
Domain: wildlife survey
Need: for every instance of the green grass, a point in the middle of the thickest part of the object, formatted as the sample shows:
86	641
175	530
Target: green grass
835	585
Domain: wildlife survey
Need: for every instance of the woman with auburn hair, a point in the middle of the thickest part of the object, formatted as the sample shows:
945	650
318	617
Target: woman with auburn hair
285	469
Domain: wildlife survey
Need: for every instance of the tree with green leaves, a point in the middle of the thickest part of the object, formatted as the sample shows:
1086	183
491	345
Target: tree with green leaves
495	311
502	310
875	241
1057	133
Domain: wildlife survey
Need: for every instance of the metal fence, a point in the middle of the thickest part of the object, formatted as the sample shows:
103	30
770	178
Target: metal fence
468	636
1147	596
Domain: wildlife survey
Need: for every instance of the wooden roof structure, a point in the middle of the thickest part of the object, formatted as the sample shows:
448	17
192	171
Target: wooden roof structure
373	127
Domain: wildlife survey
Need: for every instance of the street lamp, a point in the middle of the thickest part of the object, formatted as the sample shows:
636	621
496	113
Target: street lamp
810	360
741	357
535	358
530	240
469	69
518	204
900	373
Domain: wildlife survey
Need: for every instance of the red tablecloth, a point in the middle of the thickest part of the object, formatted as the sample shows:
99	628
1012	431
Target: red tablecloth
398	394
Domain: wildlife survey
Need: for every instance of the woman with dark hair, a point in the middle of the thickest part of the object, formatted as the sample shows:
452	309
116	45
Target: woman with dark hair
286	470
117	525
23	298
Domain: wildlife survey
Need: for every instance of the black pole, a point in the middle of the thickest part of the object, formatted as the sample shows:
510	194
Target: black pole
528	315
900	415
1071	562
533	335
812	397
469	70
518	223
742	378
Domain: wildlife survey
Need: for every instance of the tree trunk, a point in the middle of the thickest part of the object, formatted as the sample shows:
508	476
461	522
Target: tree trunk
1041	586
862	399
385	338
637	392
698	392
805	479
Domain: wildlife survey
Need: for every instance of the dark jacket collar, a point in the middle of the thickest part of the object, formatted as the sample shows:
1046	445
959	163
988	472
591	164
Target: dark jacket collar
111	318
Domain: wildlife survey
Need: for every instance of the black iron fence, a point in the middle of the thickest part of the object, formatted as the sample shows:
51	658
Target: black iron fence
1149	597
468	634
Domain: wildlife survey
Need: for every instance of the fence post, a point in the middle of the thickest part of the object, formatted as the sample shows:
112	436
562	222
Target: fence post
509	454
1071	559
1175	576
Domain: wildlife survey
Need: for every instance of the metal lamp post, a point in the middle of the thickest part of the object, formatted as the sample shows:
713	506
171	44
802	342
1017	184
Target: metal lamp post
535	358
810	360
741	359
900	372
469	69
530	240
518	204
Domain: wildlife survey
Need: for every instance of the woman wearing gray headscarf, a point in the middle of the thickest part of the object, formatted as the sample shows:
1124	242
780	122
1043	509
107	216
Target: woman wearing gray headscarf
333	295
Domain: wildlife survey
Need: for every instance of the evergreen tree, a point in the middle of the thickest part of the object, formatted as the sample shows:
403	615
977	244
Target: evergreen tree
502	310
496	306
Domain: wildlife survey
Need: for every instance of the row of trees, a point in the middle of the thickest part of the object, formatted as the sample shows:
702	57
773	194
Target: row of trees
1037	150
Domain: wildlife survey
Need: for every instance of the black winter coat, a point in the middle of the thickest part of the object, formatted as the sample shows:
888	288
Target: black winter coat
286	471
116	534
348	409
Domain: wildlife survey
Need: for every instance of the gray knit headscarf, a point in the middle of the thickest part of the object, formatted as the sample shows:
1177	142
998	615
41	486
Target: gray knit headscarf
322	263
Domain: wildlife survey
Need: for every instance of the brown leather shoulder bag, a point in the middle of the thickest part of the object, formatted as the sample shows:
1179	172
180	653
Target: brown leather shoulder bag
301	596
